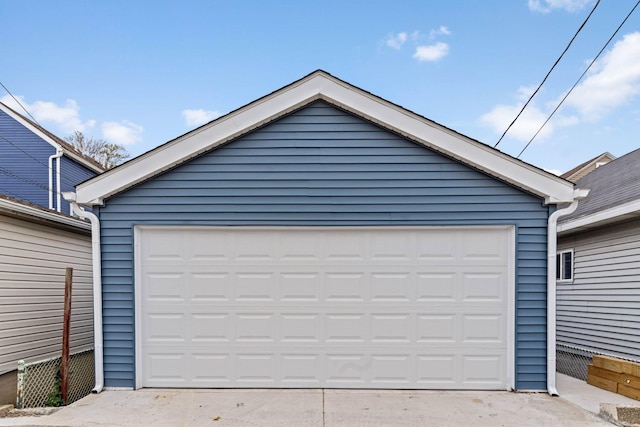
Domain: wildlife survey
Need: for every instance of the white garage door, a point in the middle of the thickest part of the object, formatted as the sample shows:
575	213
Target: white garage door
411	308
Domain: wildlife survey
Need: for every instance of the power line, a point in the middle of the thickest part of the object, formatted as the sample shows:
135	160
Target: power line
19	103
23	179
67	180
580	78
548	73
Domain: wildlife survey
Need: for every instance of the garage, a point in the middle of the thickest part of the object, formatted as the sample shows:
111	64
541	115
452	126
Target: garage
338	308
322	236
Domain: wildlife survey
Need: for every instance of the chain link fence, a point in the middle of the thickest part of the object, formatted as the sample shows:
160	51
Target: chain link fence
39	382
573	361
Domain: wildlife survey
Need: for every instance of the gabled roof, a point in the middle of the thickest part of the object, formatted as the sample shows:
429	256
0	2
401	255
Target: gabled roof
579	171
53	140
614	196
320	85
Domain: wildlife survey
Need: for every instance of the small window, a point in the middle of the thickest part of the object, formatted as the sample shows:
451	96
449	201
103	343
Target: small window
564	266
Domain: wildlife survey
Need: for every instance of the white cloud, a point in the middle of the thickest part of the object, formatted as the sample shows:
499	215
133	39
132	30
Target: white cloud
524	92
123	132
66	117
396	41
431	53
611	82
546	6
554	171
198	117
524	128
442	31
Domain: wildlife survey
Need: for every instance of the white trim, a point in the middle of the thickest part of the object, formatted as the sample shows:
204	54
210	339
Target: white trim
605	215
27	124
320	85
10	206
137	295
511	311
596	161
511	280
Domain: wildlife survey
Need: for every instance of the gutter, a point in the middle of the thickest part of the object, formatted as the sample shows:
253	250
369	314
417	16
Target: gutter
97	288
552	244
591	220
23	210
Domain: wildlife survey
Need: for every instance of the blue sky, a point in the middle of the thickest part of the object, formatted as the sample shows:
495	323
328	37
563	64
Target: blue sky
142	73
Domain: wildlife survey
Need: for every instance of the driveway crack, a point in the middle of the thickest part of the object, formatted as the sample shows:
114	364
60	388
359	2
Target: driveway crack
323	413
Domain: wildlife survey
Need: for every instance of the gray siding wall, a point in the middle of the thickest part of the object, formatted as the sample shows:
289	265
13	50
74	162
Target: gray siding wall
600	310
33	258
322	166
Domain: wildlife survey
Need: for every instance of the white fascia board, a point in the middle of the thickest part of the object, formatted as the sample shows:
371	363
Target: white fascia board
602	216
316	86
11	207
46	138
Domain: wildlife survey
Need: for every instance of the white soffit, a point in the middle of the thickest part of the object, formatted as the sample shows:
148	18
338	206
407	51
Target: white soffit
321	85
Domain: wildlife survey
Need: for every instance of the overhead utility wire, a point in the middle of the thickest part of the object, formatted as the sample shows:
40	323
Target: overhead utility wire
19	103
580	78
69	181
548	73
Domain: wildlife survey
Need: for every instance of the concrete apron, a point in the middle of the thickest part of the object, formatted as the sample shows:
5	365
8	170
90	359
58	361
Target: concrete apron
158	407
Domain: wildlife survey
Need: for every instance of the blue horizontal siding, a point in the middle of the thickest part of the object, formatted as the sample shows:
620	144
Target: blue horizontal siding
73	173
24	167
321	166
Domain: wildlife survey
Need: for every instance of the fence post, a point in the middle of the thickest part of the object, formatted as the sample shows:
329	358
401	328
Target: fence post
20	388
66	325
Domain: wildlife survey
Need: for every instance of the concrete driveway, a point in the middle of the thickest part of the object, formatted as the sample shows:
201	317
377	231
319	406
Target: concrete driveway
155	407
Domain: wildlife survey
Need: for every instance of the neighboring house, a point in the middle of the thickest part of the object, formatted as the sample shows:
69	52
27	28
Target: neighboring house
38	240
587	167
36	245
599	279
324	237
37	166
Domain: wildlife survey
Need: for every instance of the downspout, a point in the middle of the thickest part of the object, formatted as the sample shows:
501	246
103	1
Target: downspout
552	243
51	157
58	207
97	288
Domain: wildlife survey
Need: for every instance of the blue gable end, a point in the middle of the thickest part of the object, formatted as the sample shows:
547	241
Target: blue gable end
24	161
24	166
325	167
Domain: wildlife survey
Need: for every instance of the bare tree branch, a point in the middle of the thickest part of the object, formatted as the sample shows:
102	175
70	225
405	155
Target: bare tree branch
107	154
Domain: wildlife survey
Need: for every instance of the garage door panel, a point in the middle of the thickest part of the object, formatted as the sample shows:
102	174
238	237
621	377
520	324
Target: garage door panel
484	284
344	308
331	368
211	287
482	369
212	328
164	286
